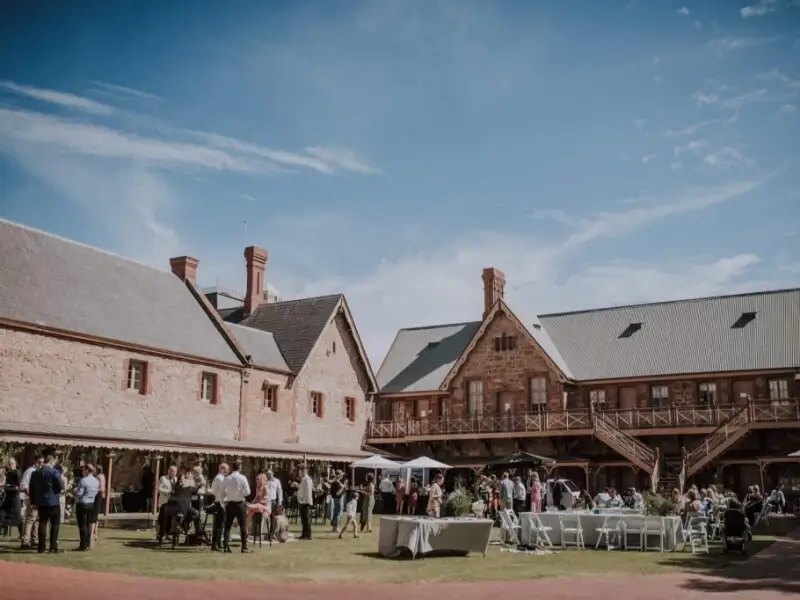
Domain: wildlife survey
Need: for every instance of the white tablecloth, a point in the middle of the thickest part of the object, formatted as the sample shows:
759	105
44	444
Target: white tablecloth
422	535
590	523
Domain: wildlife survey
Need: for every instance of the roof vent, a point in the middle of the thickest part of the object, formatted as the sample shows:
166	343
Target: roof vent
537	326
431	345
630	330
743	320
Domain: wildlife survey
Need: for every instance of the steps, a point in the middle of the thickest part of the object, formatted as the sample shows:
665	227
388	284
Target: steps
635	451
730	431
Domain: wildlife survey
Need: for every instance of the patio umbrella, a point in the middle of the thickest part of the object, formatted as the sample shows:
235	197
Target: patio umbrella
423	462
375	462
521	460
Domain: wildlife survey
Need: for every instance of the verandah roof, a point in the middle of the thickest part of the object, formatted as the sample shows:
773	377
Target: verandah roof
38	433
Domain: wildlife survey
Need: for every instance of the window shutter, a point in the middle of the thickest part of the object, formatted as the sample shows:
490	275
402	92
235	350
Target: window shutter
200	385
217	389
322	406
148	378
125	366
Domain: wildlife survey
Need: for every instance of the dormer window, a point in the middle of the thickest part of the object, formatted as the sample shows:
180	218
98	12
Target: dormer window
744	319
505	343
630	330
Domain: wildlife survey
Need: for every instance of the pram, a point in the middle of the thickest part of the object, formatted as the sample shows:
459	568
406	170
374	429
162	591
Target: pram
735	531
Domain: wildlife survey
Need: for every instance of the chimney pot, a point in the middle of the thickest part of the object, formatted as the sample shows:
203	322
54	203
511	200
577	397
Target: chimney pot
256	261
184	267
494	285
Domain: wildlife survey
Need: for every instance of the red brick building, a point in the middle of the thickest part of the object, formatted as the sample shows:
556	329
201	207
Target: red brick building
103	352
703	389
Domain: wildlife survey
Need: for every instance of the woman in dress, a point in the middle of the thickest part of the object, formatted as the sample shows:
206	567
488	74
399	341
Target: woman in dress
400	495
413	496
12	507
536	493
260	504
368	504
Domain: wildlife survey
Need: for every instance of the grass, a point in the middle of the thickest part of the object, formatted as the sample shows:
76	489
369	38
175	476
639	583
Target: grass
327	558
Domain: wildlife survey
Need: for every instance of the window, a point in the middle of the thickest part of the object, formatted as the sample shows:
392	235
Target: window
778	389
597	397
208	387
271	397
398	410
744	320
504	343
659	396
630	330
333	347
316	404
475	397
136	377
350	409
707	394
538	392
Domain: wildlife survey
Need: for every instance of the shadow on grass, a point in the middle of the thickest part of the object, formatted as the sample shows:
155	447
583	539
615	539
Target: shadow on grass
772	562
165	547
406	555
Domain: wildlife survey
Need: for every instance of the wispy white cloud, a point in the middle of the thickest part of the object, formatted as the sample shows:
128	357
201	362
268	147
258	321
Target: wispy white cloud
675	166
775	75
702	99
789	109
697	24
647	158
127	91
728	157
760	9
60	98
740	101
690	129
692	146
730	43
342	158
683	11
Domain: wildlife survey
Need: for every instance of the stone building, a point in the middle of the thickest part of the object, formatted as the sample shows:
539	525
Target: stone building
100	351
703	389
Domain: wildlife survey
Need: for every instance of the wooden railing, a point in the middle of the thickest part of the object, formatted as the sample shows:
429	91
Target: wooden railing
567	420
626	445
733	428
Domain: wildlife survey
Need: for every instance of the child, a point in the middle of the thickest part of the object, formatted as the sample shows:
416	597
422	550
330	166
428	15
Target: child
350	515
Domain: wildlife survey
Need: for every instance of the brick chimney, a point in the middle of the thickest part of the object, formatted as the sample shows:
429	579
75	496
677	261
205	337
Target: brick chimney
494	284
184	267
256	260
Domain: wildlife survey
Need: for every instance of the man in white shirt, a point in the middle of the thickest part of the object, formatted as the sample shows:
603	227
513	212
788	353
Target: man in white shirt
166	485
386	488
520	495
274	491
218	524
506	492
305	500
31	514
236	489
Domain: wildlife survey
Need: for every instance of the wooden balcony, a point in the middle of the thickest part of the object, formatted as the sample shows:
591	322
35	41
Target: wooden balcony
764	414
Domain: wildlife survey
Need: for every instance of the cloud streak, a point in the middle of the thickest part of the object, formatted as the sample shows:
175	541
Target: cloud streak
127	91
59	98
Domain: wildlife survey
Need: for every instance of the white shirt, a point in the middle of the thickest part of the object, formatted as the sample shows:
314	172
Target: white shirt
275	490
236	487
218	488
386	486
520	493
351	508
25	482
305	493
164	485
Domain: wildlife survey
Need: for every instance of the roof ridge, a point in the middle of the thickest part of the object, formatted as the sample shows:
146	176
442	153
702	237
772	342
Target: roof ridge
665	302
320	297
82	244
420	327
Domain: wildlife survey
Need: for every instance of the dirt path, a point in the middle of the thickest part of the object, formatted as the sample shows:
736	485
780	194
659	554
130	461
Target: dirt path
34	582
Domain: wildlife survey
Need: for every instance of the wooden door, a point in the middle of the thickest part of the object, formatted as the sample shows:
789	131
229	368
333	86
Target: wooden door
503	399
422	408
742	387
627	398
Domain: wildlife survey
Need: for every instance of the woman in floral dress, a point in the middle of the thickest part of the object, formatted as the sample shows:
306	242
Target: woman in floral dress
536	493
260	504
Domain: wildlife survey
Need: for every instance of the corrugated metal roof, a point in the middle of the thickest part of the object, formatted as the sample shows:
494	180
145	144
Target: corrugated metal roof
260	345
541	336
50	281
686	336
421	357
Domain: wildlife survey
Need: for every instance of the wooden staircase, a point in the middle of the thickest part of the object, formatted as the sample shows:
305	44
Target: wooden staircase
674	474
628	446
730	431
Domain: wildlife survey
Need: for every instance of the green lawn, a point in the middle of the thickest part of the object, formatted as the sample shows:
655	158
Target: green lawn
328	558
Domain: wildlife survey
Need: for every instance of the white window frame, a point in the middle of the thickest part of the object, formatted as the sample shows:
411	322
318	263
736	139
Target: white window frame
537	394
779	390
316	404
662	398
707	387
475	397
271	397
597	397
208	387
137	371
350	408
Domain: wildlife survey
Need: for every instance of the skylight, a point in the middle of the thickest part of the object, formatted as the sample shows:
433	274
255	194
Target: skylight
431	345
630	330
743	320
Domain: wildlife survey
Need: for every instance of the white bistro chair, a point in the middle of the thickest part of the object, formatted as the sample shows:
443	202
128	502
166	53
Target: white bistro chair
571	528
633	529
609	532
540	532
654	527
695	533
510	527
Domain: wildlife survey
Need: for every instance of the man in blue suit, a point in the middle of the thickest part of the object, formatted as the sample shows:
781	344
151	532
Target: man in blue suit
45	488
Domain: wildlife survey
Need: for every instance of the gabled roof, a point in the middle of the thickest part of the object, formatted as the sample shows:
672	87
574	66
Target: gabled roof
681	337
49	281
260	346
421	357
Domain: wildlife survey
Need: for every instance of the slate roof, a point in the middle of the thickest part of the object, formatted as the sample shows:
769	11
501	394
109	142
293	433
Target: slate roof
421	357
295	324
685	336
50	281
260	346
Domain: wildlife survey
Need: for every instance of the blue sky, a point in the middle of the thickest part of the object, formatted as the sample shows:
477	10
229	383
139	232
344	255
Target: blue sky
597	152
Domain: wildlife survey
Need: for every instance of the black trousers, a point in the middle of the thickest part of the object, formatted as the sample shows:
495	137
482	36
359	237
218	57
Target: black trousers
84	515
217	525
235	511
519	506
305	521
51	515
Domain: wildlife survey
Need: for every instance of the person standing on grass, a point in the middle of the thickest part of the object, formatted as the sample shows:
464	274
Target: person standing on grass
386	488
85	493
337	495
350	516
520	495
305	501
218	524
368	504
435	496
236	489
45	489
29	531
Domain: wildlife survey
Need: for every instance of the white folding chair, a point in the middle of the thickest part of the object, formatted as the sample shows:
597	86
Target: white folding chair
696	534
654	526
763	515
509	527
540	532
716	524
571	527
610	527
633	526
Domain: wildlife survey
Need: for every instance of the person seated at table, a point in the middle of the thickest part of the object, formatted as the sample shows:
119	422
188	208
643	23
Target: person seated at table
753	504
585	500
614	499
635	499
692	504
602	498
180	505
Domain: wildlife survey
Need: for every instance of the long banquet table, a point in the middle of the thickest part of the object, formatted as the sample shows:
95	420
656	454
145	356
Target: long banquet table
590	523
423	535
